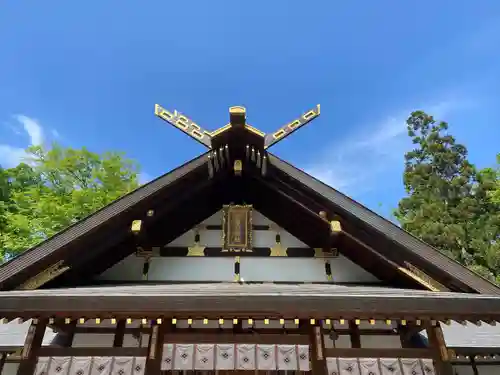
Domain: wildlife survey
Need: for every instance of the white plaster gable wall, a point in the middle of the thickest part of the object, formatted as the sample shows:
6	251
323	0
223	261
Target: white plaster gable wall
252	268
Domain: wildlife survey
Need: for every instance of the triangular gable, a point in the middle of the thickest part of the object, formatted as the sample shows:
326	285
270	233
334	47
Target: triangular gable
432	258
37	259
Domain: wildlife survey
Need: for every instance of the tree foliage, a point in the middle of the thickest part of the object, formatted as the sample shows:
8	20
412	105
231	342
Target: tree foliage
450	204
55	188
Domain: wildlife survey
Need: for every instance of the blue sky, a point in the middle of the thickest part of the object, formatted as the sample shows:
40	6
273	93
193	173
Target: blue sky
89	73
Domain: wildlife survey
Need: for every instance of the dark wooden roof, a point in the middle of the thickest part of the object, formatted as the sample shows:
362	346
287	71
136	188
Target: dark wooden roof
189	196
252	300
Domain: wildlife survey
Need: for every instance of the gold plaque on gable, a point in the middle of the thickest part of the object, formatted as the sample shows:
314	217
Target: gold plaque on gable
237	228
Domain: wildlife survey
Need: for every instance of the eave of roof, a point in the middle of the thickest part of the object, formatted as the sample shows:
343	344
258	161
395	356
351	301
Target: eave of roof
303	301
432	256
94	221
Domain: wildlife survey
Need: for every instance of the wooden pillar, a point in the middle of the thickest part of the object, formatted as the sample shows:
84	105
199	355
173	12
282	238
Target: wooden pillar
474	365
119	334
317	345
354	334
66	337
32	344
3	358
440	351
155	347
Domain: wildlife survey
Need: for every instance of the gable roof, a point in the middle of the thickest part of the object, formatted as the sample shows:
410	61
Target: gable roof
391	241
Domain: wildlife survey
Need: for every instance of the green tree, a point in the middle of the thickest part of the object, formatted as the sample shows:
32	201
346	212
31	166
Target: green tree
57	187
448	203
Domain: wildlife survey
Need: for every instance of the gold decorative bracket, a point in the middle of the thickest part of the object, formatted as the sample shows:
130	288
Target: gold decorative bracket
422	278
45	276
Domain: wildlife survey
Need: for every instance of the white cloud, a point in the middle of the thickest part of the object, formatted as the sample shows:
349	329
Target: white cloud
32	127
353	165
10	155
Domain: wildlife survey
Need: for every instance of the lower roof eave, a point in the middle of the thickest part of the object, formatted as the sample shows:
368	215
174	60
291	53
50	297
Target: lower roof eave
264	300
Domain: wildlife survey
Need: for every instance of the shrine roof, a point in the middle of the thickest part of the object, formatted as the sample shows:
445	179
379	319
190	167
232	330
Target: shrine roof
252	300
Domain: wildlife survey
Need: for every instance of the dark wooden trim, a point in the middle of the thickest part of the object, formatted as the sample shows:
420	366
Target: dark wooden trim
378	353
3	358
32	347
235	338
474	366
119	334
354	335
48	351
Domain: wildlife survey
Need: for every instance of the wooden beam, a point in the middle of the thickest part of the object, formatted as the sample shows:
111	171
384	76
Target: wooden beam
49	351
317	349
155	347
3	358
230	338
32	347
439	351
378	353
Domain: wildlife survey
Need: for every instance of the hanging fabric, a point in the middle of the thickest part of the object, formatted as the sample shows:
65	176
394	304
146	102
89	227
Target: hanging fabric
204	357
390	366
411	366
428	367
139	366
348	366
369	366
224	357
59	365
245	359
42	366
266	357
167	357
287	357
122	365
183	357
333	366
101	365
80	366
303	353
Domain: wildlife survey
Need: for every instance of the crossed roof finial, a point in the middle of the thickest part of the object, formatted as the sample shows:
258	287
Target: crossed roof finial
237	117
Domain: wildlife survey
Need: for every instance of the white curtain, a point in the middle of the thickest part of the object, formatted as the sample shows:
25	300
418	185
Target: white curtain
348	366
204	357
183	356
122	365
333	366
287	357
101	365
224	357
167	357
390	366
59	365
42	366
369	366
303	353
428	367
266	357
245	359
80	366
411	366
139	366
